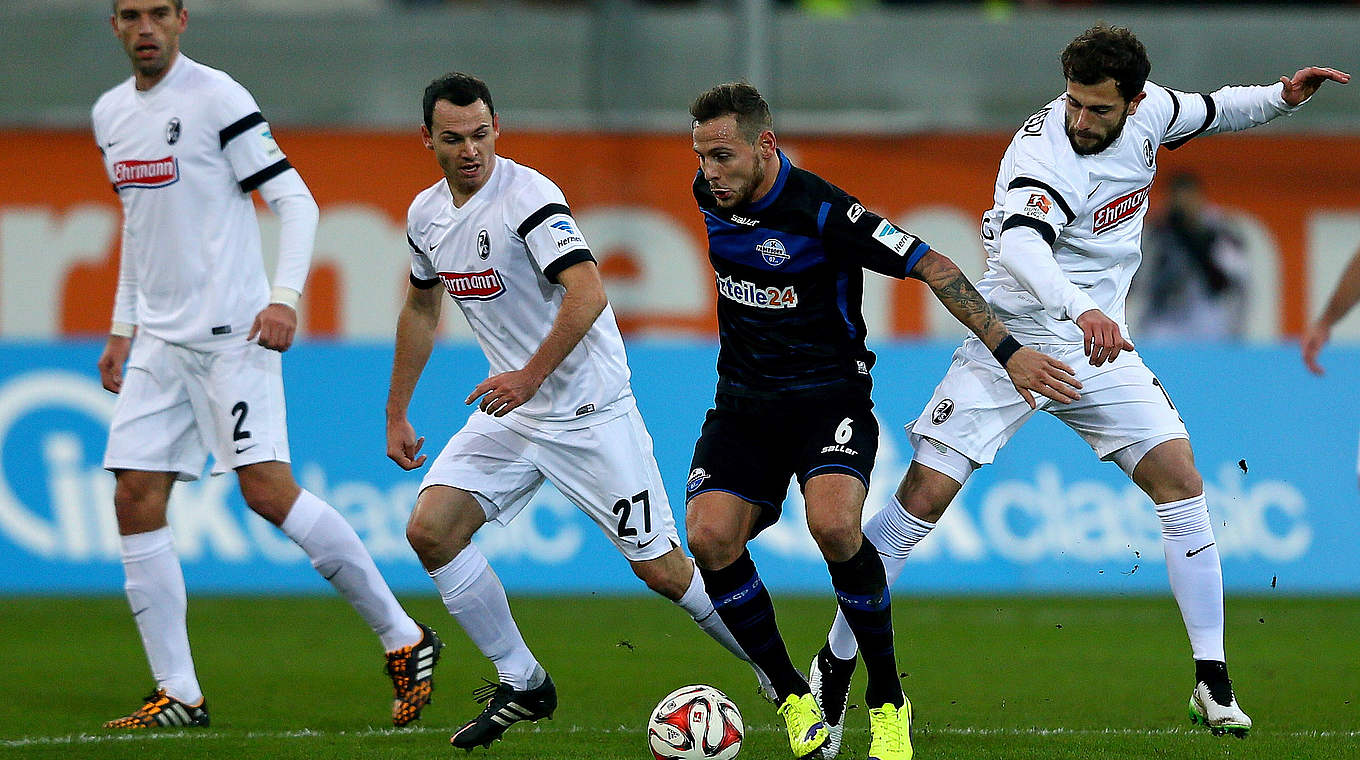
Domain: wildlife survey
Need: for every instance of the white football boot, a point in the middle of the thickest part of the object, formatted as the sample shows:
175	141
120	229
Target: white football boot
1217	710
829	678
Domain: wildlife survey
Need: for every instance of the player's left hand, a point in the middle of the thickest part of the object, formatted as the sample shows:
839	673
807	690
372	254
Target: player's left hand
1313	340
504	392
1307	81
275	326
1033	372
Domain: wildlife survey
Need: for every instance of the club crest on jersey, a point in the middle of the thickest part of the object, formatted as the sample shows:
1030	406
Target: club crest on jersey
157	172
475	286
941	412
1149	154
855	212
773	252
483	245
697	476
172	131
1119	210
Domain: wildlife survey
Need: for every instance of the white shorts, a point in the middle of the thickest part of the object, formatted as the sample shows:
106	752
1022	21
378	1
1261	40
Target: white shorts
178	405
976	409
607	470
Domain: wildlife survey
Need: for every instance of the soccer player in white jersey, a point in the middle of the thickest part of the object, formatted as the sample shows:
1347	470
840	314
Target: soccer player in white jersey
185	146
557	406
1063	243
1344	298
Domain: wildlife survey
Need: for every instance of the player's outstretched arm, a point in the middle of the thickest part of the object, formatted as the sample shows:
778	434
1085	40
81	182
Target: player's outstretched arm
1343	299
1029	370
1306	81
582	304
415	340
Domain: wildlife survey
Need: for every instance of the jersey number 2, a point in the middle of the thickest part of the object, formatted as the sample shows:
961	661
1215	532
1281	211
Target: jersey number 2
624	509
239	412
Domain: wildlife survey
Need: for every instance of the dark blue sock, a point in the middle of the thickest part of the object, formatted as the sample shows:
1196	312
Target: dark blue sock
745	606
862	593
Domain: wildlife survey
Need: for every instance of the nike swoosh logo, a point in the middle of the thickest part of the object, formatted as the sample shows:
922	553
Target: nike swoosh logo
648	542
138	612
1197	551
110	143
247	448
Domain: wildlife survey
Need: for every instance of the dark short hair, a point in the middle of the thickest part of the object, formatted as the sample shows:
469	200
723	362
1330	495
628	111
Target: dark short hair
742	100
1107	52
459	89
179	5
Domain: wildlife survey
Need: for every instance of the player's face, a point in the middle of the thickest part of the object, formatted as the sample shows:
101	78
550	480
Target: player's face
463	139
1095	115
149	31
736	170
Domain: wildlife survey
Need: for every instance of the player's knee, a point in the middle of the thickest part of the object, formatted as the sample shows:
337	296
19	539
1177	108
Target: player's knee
837	538
139	504
711	547
270	503
428	542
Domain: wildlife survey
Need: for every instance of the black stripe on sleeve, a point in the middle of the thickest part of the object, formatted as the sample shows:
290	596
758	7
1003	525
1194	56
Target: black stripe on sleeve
538	216
1175	107
420	284
414	248
236	128
264	175
566	260
1210	113
1016	220
1031	182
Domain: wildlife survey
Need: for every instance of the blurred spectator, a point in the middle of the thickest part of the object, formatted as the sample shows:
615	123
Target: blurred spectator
1193	282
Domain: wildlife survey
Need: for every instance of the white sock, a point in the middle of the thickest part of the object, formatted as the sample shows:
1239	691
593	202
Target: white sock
476	599
700	607
155	592
338	554
894	532
1196	576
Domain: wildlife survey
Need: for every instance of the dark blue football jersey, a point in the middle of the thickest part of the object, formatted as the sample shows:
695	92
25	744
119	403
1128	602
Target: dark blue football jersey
789	272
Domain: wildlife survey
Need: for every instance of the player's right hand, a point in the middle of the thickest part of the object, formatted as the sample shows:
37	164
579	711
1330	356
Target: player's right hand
1100	337
1312	343
1031	370
403	446
111	362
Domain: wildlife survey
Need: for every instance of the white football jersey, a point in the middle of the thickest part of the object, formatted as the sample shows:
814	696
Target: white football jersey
1091	208
184	157
498	256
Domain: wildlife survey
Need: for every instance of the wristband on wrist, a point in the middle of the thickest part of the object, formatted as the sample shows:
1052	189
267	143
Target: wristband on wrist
286	296
123	329
1006	350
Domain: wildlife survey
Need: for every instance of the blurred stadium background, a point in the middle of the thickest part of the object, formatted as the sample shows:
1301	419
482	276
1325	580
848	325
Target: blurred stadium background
909	105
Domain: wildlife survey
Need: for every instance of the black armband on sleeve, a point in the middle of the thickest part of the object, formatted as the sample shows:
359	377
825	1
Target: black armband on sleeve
423	284
1006	350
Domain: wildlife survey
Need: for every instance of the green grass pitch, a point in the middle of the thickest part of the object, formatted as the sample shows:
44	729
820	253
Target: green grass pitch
1005	677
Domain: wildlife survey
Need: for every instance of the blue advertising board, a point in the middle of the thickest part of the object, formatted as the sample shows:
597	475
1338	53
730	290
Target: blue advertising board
1276	446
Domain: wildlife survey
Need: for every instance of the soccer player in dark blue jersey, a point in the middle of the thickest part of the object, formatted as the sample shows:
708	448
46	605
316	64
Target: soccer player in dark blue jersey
789	249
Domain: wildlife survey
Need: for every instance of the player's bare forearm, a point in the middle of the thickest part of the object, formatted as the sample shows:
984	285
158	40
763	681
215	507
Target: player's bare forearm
1345	296
415	341
958	295
581	306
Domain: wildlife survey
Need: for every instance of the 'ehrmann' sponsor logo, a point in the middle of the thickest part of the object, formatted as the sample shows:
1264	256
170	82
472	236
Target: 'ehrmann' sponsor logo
1119	209
478	286
751	294
156	173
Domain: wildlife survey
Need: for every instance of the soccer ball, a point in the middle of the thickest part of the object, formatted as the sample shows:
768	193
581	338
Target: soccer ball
695	723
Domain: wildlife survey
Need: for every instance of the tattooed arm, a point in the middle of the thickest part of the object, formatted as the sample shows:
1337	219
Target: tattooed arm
1028	369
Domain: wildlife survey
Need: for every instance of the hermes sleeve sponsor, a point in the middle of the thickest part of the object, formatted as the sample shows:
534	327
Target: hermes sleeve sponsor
476	286
565	233
146	174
